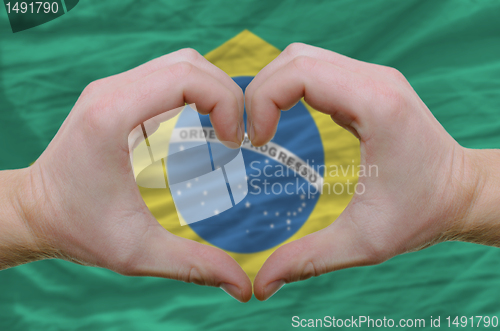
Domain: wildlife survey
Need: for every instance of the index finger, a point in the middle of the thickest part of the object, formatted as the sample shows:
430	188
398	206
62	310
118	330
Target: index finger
183	55
295	50
117	114
326	87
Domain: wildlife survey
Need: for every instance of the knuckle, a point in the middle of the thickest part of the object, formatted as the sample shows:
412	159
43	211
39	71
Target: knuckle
390	100
311	269
194	276
389	95
181	69
97	115
295	49
189	54
191	275
394	74
93	88
304	63
194	271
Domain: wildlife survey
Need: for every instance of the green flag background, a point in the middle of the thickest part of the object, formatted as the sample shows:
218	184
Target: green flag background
448	50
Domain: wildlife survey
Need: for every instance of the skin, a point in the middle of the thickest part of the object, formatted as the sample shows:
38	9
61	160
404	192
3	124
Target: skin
429	188
79	201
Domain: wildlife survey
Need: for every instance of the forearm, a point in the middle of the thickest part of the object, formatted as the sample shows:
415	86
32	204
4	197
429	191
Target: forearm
17	241
481	223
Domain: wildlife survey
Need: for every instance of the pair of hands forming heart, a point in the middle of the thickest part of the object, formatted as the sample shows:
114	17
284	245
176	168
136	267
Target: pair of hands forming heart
80	202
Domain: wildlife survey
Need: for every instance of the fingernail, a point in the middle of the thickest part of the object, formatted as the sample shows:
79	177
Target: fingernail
230	144
273	287
241	132
251	130
232	290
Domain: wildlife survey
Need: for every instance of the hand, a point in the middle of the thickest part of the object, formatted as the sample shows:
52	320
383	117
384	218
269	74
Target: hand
80	201
426	182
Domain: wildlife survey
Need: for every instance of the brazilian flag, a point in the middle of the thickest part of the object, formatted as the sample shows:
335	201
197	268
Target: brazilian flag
448	50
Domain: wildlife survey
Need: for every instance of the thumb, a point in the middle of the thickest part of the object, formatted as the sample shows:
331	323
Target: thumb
166	255
335	247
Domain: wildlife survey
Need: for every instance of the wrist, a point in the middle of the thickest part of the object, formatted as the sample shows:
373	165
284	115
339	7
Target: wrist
19	243
479	192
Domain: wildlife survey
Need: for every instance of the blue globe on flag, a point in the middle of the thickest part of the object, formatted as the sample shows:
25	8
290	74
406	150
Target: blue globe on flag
279	200
283	177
